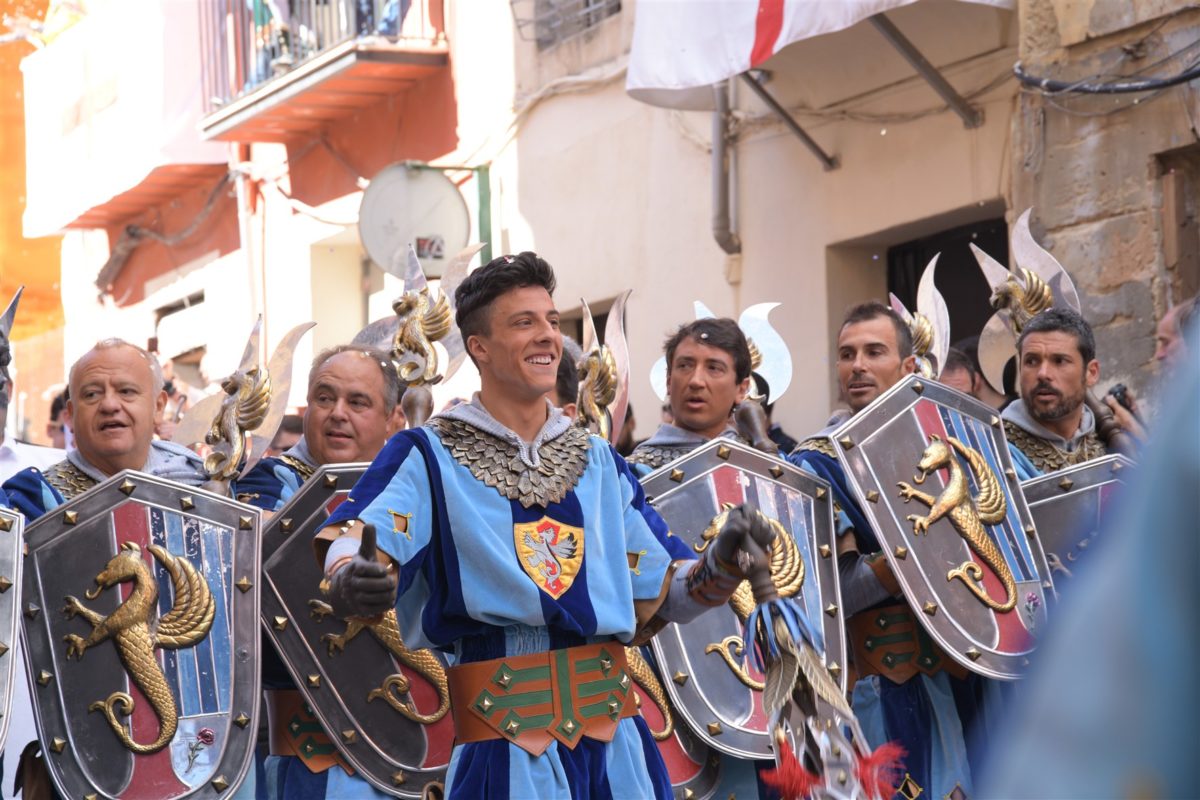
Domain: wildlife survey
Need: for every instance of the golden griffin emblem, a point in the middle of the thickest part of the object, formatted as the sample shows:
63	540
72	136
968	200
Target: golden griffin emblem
967	514
394	687
423	321
550	553
598	379
244	407
130	627
787	571
1022	299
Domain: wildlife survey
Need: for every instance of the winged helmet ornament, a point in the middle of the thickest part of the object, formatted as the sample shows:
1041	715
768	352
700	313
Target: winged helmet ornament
238	423
929	324
604	372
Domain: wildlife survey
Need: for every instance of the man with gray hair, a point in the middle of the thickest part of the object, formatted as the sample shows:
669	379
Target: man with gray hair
353	408
116	392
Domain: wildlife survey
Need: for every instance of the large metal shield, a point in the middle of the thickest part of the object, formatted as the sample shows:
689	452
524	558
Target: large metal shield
712	682
145	678
12	526
386	707
1068	506
932	473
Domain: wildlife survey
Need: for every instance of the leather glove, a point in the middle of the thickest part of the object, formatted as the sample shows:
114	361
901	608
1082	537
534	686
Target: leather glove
363	587
743	541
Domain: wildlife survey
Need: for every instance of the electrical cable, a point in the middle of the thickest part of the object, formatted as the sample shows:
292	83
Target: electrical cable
1053	86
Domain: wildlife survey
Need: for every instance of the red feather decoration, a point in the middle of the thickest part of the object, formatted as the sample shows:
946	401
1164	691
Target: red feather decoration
879	773
790	778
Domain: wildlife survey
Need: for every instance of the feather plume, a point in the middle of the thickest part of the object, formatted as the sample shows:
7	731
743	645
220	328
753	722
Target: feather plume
782	671
818	677
790	778
878	772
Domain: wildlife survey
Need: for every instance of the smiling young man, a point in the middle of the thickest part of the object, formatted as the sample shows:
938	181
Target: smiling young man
908	689
116	392
708	374
1052	427
524	546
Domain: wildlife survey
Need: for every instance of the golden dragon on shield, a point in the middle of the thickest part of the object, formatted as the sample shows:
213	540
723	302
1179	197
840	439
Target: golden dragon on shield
394	687
968	515
131	629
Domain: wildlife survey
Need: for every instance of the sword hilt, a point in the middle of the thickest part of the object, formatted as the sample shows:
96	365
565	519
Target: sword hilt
757	568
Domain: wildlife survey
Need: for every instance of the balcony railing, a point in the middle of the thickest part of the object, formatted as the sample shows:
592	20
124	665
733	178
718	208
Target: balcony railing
250	43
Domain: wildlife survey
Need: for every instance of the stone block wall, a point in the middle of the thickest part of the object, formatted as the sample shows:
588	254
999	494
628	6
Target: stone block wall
1111	181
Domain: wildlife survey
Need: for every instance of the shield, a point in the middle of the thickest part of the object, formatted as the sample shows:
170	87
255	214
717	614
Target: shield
12	526
385	706
145	682
932	473
1068	506
714	684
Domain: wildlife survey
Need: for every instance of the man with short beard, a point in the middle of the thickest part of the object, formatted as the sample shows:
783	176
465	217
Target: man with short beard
1052	428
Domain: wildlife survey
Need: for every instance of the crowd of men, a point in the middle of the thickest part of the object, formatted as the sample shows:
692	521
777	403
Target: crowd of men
511	455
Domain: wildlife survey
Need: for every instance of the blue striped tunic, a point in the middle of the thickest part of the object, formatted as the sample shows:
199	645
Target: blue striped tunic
465	588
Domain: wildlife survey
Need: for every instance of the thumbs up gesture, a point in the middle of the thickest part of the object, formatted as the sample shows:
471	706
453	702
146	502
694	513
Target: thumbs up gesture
363	587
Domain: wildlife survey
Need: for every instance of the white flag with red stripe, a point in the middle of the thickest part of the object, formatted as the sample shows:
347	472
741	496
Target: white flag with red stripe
681	47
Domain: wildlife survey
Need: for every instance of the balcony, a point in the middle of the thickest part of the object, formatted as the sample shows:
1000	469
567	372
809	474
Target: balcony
110	128
279	70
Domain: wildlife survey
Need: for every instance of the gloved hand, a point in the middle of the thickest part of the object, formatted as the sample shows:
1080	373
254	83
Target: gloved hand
363	587
743	541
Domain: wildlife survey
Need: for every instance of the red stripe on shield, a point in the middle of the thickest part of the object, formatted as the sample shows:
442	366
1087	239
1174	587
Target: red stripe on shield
153	775
1012	636
730	485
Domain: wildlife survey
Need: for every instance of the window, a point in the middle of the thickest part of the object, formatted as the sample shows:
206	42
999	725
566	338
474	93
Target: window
551	22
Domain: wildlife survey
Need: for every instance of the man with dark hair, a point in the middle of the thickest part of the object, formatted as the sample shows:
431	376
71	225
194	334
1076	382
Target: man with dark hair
291	431
980	389
1052	427
566	384
526	547
58	428
353	407
708	374
959	372
778	435
916	694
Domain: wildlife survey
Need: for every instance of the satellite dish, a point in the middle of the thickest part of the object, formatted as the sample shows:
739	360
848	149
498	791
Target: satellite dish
406	205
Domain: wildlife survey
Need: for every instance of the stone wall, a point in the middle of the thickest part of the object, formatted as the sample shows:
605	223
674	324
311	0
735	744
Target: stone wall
1112	183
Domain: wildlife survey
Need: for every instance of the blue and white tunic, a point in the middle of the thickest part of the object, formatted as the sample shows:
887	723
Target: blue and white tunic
273	481
476	581
33	492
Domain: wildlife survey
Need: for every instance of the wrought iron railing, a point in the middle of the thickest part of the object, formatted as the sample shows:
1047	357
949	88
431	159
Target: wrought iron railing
551	22
248	43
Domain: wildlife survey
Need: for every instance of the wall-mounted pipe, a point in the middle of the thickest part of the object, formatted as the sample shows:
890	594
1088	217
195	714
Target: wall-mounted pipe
722	220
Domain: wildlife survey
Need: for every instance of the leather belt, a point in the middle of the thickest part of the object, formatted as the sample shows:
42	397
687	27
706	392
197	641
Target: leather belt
534	699
889	641
295	731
